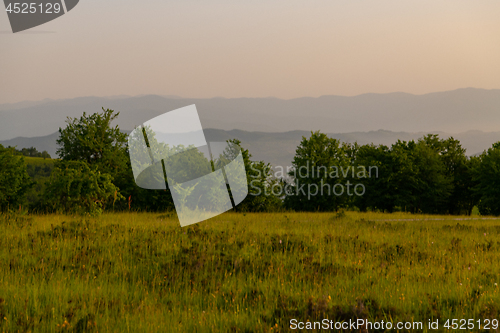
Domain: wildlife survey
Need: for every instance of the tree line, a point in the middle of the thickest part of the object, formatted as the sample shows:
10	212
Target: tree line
94	173
30	152
430	175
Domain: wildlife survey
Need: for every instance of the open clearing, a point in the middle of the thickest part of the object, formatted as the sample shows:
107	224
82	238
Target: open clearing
142	272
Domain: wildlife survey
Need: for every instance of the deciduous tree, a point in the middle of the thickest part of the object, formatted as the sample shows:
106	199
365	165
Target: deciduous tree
14	179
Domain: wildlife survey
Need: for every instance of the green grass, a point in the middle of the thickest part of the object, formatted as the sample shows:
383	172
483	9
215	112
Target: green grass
243	272
38	160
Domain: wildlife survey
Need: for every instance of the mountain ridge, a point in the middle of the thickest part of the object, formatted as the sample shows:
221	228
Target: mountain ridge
452	112
279	148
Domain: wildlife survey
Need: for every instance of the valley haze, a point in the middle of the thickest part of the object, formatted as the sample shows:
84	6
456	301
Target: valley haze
272	128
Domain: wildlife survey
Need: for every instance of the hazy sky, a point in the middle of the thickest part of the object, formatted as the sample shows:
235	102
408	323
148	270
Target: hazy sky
253	48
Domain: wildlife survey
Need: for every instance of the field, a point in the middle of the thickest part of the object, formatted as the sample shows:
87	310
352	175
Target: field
141	272
38	161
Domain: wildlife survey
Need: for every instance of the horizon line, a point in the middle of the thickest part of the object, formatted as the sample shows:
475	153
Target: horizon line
122	96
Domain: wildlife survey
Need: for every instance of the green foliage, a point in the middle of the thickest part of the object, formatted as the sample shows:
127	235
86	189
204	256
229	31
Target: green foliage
428	176
39	169
487	174
263	195
423	184
431	175
380	186
32	152
92	139
14	179
317	171
459	170
74	187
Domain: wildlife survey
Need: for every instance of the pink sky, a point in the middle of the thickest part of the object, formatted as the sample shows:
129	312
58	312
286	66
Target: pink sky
281	48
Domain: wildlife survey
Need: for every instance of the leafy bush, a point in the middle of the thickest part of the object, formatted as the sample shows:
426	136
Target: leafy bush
74	187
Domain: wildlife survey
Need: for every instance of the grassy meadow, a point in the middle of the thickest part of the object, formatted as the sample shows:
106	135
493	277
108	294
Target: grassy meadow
142	272
38	160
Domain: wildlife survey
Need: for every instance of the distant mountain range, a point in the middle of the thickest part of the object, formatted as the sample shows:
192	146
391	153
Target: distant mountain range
272	127
279	148
452	112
